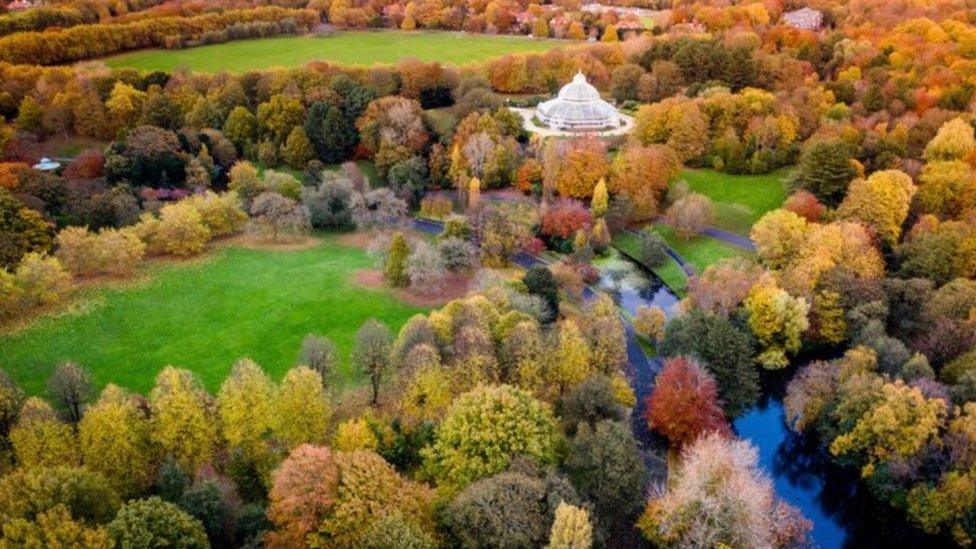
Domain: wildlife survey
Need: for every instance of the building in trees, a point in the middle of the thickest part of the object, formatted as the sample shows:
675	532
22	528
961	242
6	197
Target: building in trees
578	107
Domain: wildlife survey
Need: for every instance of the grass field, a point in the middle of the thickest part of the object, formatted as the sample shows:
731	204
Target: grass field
699	251
205	315
740	200
349	48
670	273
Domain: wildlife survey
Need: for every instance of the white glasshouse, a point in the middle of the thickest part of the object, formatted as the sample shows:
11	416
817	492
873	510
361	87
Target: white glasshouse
578	107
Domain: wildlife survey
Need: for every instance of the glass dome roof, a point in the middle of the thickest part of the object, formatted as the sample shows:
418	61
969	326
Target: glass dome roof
578	107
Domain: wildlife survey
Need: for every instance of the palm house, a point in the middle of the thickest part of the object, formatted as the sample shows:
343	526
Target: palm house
578	107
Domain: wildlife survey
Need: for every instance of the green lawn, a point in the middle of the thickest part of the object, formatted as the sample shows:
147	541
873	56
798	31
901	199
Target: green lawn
740	200
349	48
699	251
670	273
205	315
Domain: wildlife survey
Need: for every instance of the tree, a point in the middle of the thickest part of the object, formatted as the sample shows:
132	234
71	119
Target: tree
245	408
40	439
22	230
245	182
600	201
425	269
954	141
302	410
571	358
684	403
330	203
717	495
898	425
778	321
70	387
649	322
115	441
274	216
677	122
395	266
178	231
947	189
940	252
722	348
372	353
571	528
152	522
510	509
539	281
605	466
724	285
27	492
826	169
320	354
881	202
805	204
610	34
691	214
653	247
303	492
297	150
241	128
474	192
55	528
625	81
183	424
510	423
779	235
11	401
393	531
278	117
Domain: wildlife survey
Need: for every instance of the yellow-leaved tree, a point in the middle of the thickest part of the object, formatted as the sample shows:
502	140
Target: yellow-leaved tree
777	319
302	410
881	202
41	439
114	439
184	425
245	408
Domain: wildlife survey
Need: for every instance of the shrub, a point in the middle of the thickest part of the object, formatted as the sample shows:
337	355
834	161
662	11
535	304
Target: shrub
40	280
458	255
690	215
179	231
426	270
221	213
110	251
436	207
275	217
330	204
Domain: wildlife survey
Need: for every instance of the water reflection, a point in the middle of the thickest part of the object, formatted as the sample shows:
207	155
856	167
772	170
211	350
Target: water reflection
631	284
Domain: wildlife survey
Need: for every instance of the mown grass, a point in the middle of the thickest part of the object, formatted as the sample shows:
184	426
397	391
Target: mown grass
670	273
204	315
699	251
740	200
348	48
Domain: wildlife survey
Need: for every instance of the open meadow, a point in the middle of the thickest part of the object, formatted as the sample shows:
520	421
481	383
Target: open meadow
204	315
348	48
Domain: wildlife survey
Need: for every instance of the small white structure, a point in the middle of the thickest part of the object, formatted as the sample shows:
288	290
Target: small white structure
47	165
804	19
578	107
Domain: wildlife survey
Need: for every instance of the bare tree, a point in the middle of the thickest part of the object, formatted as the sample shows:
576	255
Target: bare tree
70	387
374	342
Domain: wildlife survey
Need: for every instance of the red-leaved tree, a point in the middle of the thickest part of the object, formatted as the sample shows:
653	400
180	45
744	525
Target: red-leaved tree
684	403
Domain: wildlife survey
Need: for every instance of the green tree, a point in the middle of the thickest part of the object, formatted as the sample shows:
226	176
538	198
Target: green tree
297	150
778	321
54	528
508	421
332	135
278	116
241	128
22	230
395	267
152	522
725	350
826	169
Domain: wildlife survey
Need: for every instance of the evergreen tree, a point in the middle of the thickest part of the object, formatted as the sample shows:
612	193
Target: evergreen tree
331	134
826	169
395	270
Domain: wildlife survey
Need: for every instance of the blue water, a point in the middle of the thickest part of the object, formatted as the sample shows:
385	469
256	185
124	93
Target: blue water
843	514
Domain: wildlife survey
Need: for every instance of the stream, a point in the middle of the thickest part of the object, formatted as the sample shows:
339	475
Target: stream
842	512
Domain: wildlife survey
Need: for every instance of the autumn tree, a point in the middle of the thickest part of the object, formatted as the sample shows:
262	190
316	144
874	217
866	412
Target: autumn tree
278	218
152	522
184	425
684	403
510	422
41	439
954	141
241	128
718	478
690	215
55	528
297	150
395	266
600	200
278	117
571	528
245	408
27	492
22	230
677	122
881	202
720	347
372	353
115	441
302	409
779	235
778	321
302	493
70	388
